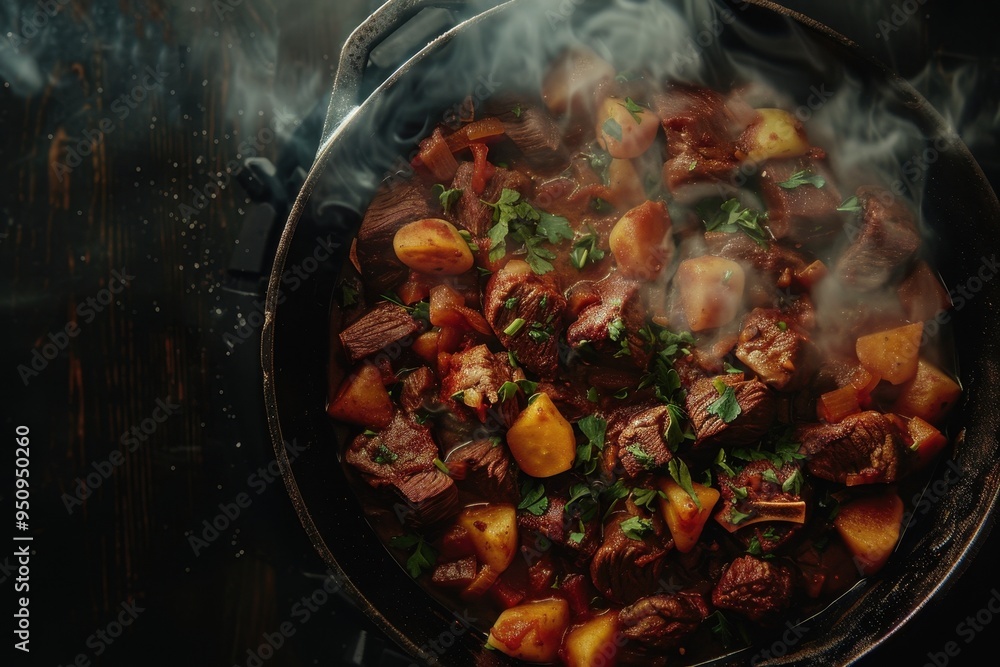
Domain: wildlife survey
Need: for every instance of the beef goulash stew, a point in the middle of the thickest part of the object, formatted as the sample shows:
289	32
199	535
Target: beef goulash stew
630	372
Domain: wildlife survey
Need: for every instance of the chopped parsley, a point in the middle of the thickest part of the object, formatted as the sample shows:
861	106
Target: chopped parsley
726	407
540	333
423	557
729	368
770	476
793	484
585	250
647	497
517	111
594	429
679	472
641	456
533	499
616	329
720	460
734	218
583	502
442	466
522	222
418	311
621	394
446	197
592	395
348	295
634	109
383	455
507	391
511	303
802	178
783	326
636	528
850	205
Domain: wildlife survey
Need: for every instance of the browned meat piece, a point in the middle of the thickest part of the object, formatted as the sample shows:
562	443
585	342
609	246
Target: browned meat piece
419	390
470	212
700	135
611	326
570	397
486	471
865	448
757	411
771	345
804	213
636	438
887	239
391	209
456	574
623	569
778	263
754	504
430	496
477	375
661	620
538	137
397	452
526	313
754	588
559	527
382	327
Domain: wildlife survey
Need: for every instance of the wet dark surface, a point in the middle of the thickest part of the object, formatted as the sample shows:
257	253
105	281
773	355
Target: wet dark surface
121	122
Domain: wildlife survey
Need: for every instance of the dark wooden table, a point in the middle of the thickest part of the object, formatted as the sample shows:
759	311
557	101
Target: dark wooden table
121	121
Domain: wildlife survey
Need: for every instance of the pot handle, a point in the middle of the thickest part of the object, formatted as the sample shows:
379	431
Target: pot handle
354	57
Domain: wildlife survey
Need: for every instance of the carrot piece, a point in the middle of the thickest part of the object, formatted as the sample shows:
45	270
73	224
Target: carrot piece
466	135
437	157
837	404
812	274
927	440
482	170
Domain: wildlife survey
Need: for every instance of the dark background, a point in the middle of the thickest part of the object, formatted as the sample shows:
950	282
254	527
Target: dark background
238	80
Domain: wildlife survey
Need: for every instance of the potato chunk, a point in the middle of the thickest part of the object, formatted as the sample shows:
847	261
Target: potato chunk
711	291
637	241
492	529
929	395
362	399
593	642
774	133
682	515
624	129
532	631
870	528
892	354
434	247
541	440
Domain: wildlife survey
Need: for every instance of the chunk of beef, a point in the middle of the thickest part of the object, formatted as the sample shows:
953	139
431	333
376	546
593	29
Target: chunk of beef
772	346
430	496
624	570
886	241
561	528
486	470
399	451
777	264
477	375
757	411
390	209
756	506
803	213
611	326
384	327
863	448
470	212
754	588
570	397
636	438
530	308
419	390
538	136
700	130
662	620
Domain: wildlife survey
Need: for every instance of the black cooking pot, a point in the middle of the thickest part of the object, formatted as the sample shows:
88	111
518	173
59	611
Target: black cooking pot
376	117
